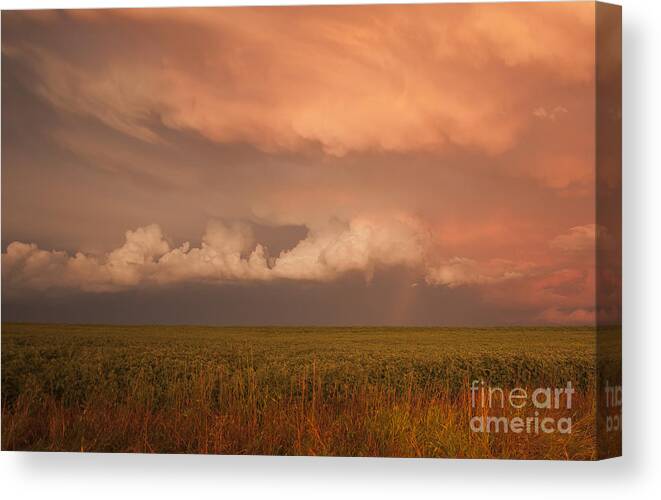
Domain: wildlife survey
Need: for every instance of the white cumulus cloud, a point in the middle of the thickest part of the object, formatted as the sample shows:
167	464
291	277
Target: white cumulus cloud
228	252
459	271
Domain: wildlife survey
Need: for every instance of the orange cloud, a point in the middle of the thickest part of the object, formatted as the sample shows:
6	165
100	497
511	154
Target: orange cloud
285	79
577	239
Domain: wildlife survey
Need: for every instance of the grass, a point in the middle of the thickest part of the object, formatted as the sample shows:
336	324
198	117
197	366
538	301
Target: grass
286	391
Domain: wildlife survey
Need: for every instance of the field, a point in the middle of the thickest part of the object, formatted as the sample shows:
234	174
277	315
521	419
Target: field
290	391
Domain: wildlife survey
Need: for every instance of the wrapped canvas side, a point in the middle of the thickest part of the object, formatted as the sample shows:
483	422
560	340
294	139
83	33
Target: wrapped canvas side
608	129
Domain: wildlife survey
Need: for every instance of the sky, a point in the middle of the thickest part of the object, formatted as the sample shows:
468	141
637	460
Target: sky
401	165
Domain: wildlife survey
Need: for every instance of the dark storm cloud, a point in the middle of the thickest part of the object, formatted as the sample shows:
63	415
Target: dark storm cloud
389	300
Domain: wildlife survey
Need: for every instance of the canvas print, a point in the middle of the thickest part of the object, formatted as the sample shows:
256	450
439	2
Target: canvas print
370	230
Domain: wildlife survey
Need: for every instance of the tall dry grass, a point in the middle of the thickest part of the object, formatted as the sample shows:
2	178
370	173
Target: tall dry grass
291	391
228	414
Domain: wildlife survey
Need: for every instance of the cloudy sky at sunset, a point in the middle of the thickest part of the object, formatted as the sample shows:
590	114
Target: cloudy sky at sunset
317	165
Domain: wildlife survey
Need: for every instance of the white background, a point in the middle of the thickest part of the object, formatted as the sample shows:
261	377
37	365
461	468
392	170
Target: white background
636	475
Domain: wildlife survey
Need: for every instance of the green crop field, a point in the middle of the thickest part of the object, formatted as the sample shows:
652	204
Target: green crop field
270	390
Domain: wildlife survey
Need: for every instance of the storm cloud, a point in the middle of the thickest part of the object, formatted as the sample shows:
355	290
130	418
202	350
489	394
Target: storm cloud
442	151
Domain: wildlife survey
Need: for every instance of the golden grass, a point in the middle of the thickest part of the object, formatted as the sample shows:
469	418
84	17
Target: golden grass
247	408
368	421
